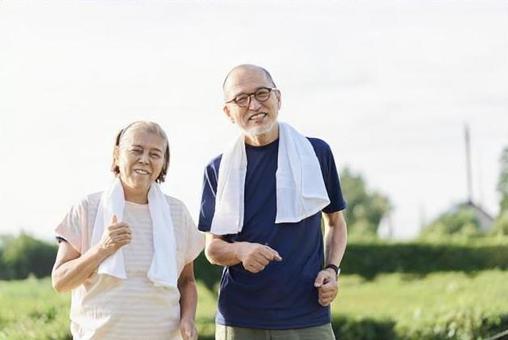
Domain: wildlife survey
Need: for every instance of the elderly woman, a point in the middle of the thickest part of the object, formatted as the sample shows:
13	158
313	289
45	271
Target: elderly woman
127	253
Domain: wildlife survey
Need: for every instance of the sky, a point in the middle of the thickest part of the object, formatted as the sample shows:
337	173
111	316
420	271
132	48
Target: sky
388	84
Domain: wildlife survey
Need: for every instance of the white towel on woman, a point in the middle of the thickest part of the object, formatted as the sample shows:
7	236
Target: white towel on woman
162	271
300	187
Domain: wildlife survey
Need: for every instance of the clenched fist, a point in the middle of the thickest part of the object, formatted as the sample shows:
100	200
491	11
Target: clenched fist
116	235
327	286
255	257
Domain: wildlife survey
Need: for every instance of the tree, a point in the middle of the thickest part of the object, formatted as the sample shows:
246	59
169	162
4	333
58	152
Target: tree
461	220
502	184
26	255
501	224
365	207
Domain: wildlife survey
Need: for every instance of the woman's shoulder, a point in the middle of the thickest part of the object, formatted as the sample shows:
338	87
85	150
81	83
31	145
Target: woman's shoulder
90	201
93	197
86	206
175	204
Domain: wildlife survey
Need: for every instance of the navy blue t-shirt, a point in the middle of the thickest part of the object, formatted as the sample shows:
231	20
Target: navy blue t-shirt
283	295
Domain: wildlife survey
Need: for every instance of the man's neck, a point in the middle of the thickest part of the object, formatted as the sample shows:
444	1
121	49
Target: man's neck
264	138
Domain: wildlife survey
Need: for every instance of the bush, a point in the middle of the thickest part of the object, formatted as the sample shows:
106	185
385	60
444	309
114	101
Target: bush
459	324
460	220
371	259
346	328
501	224
26	255
207	273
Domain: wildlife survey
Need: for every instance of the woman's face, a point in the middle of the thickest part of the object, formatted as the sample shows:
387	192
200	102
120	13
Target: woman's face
140	158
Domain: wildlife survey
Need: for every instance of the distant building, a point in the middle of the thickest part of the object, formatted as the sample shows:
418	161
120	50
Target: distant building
485	220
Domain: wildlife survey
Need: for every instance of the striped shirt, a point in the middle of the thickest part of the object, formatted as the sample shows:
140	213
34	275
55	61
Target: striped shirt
104	307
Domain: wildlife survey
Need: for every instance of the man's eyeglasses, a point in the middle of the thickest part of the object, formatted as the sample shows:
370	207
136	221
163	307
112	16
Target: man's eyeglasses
262	94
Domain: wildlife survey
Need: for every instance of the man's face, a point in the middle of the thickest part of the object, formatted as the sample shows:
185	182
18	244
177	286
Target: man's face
258	117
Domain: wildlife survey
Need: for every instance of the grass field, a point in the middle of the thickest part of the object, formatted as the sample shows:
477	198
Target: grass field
441	305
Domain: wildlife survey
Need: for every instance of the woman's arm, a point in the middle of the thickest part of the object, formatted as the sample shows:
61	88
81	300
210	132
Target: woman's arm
188	302
72	269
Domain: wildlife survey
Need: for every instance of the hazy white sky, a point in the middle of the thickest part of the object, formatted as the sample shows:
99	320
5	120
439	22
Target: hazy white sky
388	84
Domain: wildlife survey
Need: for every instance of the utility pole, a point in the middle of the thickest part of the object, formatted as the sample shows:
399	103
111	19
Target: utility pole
468	165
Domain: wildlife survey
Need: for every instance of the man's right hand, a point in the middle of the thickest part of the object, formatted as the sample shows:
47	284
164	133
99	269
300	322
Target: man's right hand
255	257
116	235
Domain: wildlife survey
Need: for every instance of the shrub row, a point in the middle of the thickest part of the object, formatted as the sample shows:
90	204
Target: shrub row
461	324
368	260
24	255
371	259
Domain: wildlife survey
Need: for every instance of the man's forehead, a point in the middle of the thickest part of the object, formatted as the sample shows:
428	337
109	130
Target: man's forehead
245	80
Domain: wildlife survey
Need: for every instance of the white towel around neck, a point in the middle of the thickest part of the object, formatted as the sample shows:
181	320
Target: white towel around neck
300	187
162	271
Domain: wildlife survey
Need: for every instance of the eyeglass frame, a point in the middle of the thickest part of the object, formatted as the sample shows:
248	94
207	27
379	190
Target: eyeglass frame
249	96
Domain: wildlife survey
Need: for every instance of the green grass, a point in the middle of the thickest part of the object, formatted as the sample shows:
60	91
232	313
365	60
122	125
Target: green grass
397	294
457	304
29	309
438	306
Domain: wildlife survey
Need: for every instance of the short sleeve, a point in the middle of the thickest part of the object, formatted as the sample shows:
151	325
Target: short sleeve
195	238
73	225
330	176
207	209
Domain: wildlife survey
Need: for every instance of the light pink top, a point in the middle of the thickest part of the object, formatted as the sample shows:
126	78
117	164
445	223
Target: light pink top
104	307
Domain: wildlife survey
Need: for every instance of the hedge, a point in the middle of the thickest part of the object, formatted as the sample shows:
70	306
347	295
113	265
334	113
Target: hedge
371	259
368	260
24	255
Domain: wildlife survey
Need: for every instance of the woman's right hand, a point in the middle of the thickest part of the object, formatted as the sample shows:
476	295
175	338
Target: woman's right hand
116	235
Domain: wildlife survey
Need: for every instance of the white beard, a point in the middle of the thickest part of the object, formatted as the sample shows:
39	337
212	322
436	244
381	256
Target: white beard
258	130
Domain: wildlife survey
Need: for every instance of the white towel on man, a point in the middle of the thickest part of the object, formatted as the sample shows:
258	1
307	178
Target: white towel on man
162	270
300	188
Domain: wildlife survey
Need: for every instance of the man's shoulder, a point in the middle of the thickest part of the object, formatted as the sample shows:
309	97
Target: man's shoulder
214	163
319	145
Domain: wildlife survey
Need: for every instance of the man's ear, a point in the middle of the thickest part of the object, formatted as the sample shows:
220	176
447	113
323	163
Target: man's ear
279	102
228	113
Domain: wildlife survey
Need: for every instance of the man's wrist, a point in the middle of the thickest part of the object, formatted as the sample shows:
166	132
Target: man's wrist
334	268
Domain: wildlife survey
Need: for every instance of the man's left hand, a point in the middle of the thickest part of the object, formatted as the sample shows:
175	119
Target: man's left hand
327	285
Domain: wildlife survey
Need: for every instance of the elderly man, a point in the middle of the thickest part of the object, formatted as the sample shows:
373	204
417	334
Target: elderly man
262	204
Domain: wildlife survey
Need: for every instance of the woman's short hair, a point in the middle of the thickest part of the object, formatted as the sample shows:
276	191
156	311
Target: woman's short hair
150	127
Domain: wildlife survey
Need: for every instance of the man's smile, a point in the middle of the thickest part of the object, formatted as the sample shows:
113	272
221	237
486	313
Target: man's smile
258	116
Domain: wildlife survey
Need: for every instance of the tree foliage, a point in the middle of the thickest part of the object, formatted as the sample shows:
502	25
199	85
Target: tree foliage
461	220
25	255
501	224
365	207
502	184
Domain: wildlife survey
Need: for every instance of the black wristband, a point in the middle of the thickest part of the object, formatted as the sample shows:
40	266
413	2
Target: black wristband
334	267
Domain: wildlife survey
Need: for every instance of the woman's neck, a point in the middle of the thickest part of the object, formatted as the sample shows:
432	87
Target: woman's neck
135	196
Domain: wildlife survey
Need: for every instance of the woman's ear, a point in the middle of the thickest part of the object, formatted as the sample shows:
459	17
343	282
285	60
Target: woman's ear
116	156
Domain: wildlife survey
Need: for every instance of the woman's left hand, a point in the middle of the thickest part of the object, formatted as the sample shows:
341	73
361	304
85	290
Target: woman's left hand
188	329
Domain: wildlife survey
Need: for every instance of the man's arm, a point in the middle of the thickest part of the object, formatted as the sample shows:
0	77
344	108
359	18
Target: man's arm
253	256
335	237
335	246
